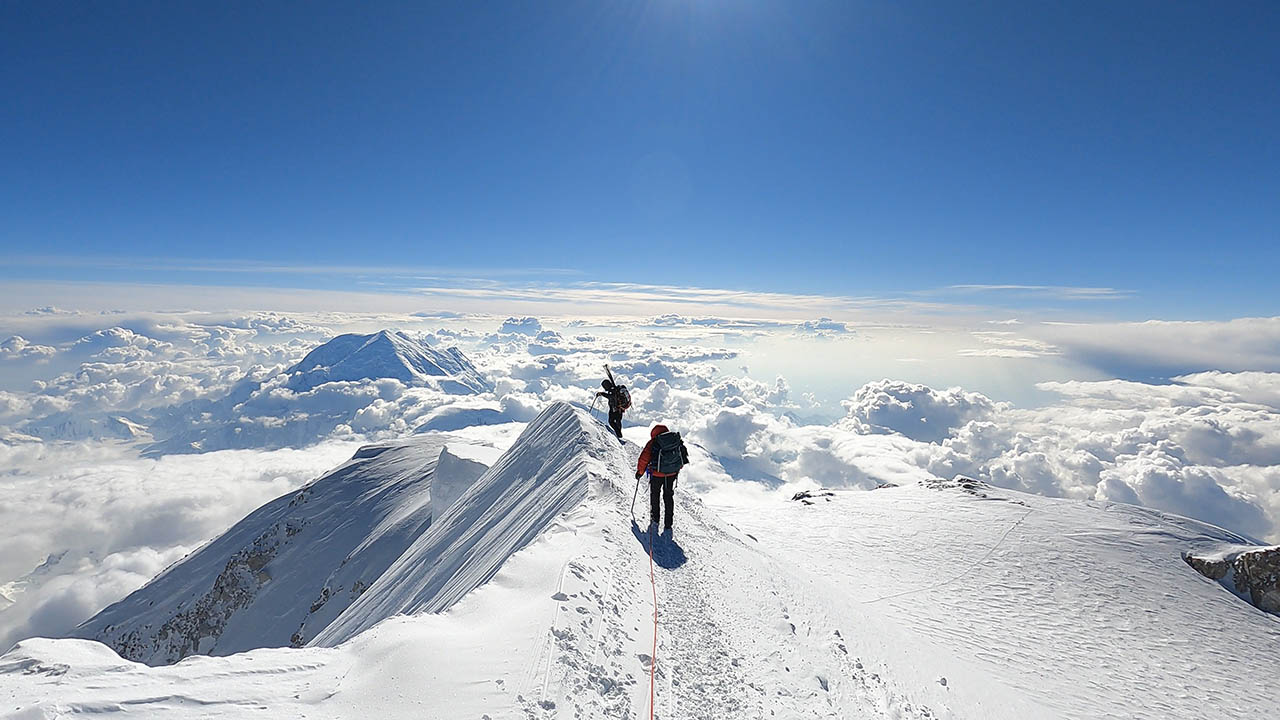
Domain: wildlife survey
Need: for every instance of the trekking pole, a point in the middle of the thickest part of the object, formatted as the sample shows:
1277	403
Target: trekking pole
634	495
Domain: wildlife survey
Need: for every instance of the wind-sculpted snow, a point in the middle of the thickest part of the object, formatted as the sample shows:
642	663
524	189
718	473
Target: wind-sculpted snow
284	572
548	471
1002	604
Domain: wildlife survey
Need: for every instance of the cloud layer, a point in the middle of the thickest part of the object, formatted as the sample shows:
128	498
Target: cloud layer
81	393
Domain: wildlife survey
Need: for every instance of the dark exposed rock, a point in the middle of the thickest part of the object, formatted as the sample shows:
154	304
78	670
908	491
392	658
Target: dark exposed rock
808	497
1252	573
234	588
976	488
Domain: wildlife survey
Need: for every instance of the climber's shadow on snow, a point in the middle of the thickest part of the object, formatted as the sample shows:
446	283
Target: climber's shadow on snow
667	553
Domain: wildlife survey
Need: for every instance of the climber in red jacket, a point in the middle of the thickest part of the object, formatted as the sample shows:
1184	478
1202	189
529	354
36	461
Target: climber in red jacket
662	458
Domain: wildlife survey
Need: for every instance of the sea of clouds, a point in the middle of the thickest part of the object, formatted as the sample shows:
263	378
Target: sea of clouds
87	515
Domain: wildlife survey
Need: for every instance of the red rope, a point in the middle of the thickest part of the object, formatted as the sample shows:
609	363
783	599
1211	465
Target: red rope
653	659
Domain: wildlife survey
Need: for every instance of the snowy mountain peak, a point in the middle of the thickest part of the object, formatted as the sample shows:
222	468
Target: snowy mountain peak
387	354
253	414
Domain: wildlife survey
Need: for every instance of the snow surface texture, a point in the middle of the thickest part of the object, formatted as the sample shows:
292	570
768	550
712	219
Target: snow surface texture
934	600
1060	607
284	572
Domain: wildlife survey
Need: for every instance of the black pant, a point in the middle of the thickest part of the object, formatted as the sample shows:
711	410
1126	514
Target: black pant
666	487
615	422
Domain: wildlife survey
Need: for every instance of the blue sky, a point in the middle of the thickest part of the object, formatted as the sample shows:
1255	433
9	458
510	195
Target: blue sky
842	148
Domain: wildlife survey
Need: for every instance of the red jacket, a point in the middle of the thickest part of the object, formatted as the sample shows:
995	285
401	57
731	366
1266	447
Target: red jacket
647	454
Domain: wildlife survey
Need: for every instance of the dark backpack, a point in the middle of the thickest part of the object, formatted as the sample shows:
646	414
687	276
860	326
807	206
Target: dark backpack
623	397
668	453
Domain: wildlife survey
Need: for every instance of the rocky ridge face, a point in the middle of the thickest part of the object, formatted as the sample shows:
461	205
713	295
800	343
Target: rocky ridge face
193	630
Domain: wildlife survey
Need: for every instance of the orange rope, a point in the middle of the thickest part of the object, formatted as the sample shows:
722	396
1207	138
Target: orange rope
653	659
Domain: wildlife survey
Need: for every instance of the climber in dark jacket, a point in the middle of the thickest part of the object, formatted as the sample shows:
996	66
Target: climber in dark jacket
662	457
619	401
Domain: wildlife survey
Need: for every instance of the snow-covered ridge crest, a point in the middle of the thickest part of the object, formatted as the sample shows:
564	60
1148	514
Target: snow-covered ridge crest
289	568
552	467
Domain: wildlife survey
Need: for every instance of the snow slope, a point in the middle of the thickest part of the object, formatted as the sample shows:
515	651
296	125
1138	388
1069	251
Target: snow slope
284	572
937	600
1029	606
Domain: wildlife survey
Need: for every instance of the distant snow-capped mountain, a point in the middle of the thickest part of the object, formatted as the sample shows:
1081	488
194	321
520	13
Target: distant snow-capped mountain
287	570
98	426
387	354
309	400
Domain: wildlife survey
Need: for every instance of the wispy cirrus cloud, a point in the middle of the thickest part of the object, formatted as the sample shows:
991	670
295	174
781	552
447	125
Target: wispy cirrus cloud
497	296
539	289
1055	292
397	275
658	299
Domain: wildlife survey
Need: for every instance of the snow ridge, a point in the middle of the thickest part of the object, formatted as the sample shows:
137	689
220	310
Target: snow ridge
549	470
289	568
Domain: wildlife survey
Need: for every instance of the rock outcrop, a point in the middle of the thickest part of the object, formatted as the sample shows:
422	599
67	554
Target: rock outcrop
1251	573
